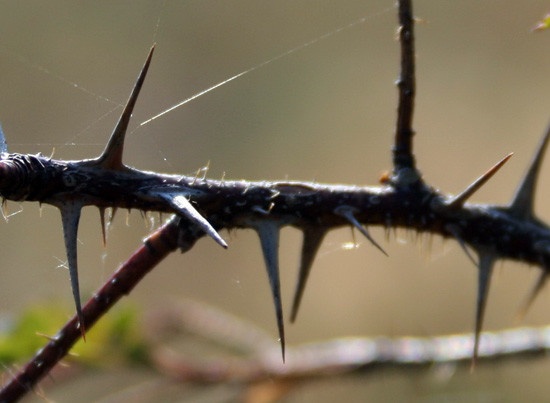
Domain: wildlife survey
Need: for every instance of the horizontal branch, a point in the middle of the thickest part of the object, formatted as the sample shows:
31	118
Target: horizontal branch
243	204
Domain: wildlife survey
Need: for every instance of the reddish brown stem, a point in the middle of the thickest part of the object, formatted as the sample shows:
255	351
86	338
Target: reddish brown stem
143	260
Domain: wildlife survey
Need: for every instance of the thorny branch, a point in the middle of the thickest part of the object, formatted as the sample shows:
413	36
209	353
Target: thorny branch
203	206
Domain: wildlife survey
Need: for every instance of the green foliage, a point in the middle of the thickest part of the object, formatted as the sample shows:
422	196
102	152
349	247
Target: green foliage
543	24
115	339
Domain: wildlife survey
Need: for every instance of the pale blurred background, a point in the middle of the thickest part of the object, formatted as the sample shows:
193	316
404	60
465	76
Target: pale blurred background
323	113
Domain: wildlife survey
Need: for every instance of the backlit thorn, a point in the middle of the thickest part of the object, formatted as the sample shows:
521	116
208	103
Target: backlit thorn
111	158
70	216
455	232
3	144
347	213
268	231
522	205
539	285
4	207
485	268
102	219
184	208
459	200
313	237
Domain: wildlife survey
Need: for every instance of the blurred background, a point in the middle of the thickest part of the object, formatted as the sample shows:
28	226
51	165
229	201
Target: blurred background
323	113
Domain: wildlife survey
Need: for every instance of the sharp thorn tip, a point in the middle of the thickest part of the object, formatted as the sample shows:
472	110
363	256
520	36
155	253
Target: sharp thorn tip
485	268
111	158
186	209
522	204
459	200
70	217
312	239
268	231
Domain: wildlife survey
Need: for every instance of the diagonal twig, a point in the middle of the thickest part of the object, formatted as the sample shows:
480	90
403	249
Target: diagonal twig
154	249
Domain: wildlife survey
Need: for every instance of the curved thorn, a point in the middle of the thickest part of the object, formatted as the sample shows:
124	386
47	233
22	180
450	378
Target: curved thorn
70	216
522	204
268	232
186	209
460	199
485	267
539	285
347	213
313	237
111	158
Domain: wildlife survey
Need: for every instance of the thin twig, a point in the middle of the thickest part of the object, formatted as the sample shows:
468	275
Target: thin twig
257	357
402	152
153	251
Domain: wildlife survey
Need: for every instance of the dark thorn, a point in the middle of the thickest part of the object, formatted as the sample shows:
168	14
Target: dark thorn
459	200
485	267
102	219
347	213
313	237
522	205
70	216
184	208
111	158
455	232
539	285
268	232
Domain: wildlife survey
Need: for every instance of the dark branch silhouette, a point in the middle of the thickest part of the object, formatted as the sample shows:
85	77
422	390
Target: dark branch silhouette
402	151
203	207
